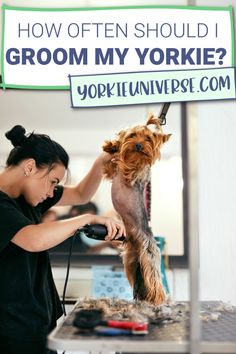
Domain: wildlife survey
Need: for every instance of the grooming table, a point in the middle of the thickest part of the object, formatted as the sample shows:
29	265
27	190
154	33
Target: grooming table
217	337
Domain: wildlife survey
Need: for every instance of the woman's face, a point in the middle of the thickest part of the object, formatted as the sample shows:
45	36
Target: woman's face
40	184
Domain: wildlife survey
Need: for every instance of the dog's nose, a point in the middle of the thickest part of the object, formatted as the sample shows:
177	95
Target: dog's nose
138	147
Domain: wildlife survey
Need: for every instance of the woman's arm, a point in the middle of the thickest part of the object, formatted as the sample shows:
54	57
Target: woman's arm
84	191
36	238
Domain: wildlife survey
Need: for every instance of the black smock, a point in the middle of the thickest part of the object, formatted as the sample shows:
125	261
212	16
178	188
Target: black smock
29	302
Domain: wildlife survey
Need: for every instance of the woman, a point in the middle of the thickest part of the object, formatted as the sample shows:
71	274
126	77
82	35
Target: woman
29	303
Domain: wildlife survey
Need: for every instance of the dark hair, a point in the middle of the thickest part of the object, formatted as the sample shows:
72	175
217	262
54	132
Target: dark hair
39	147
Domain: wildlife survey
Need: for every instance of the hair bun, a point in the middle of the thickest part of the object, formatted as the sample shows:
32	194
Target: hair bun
16	135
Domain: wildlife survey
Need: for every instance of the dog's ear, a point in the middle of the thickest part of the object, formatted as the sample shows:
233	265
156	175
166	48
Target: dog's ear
152	119
111	146
156	121
165	137
121	135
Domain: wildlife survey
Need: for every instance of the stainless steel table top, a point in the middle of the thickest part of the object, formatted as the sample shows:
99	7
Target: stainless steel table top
217	336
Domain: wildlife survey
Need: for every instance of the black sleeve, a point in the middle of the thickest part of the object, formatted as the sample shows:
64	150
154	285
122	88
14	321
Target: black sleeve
49	202
12	220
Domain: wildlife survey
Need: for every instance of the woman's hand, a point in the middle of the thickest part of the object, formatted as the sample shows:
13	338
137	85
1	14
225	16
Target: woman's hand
115	228
103	158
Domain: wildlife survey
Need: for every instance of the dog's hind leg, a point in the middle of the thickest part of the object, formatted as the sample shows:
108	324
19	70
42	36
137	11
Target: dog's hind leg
130	261
133	271
141	256
150	260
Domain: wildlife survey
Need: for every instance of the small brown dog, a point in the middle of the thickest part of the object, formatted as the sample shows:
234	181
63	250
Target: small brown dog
134	152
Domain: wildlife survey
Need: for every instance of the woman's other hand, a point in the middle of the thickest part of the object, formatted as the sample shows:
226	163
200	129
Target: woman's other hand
115	228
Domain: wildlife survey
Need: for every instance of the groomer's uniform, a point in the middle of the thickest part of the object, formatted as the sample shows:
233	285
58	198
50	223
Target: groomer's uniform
29	302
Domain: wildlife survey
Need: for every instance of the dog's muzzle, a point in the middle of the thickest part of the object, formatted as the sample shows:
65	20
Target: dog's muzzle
138	147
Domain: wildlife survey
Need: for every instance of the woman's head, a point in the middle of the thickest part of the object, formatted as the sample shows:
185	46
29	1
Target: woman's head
39	147
42	161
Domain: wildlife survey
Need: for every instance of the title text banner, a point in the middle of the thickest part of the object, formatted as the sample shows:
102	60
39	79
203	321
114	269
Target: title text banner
41	47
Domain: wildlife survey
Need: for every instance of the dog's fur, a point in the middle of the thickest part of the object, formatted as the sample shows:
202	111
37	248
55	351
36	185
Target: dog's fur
138	311
134	152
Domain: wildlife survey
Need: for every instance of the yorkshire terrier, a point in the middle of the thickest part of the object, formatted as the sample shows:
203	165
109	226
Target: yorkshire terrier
134	152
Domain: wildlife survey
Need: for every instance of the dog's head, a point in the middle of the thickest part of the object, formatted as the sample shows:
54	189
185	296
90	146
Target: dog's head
139	143
137	148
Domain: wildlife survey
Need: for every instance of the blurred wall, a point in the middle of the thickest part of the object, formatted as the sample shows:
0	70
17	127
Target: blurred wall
217	193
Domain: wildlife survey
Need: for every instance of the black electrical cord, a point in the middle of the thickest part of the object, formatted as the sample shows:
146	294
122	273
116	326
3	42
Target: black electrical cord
67	276
66	279
96	232
67	273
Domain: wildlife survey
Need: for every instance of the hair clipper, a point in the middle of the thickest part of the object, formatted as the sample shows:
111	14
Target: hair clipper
96	232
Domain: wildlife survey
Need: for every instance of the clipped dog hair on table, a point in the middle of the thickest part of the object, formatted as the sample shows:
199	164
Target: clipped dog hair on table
139	311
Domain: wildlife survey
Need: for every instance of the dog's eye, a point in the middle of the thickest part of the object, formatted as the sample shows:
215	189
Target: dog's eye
132	135
148	138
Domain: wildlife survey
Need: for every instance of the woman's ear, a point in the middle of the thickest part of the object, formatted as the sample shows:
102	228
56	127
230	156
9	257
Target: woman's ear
29	167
